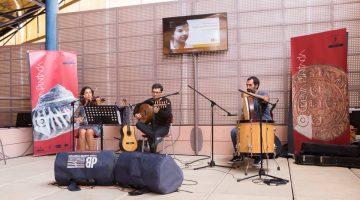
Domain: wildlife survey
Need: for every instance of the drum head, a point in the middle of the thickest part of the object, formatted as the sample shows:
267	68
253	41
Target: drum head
249	121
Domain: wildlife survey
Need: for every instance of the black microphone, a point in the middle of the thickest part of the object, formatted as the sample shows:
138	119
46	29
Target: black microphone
274	105
231	114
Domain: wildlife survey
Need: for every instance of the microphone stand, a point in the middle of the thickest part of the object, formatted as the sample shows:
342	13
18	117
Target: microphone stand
73	122
212	104
261	170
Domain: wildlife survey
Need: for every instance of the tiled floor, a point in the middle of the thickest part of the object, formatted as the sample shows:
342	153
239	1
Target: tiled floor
31	177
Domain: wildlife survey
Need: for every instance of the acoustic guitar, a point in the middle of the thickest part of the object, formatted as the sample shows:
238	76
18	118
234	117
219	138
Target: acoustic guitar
128	139
147	111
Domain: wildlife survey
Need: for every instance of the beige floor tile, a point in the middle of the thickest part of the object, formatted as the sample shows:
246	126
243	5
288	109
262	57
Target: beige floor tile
32	187
324	182
248	187
217	196
95	193
15	172
30	177
15	162
356	172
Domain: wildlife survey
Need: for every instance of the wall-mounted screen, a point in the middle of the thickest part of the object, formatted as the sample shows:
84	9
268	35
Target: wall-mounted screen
195	33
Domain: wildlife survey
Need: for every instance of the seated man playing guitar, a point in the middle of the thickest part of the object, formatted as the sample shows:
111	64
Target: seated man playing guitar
155	116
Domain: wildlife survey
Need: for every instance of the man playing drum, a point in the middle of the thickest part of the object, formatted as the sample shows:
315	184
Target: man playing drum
252	86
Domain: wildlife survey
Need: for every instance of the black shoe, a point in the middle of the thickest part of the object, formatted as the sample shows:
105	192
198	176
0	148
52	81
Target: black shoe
158	140
153	148
257	162
235	159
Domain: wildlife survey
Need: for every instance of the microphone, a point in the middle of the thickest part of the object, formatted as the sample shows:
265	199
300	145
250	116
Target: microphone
274	105
231	114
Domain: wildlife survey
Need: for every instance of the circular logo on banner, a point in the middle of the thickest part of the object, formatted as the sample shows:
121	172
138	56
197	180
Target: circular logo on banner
320	102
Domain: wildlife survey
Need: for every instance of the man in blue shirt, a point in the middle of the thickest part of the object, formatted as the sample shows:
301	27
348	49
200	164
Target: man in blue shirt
252	86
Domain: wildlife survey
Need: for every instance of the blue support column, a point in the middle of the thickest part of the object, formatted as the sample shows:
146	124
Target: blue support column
51	25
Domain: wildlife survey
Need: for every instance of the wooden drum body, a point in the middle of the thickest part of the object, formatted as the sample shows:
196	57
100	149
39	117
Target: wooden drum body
249	137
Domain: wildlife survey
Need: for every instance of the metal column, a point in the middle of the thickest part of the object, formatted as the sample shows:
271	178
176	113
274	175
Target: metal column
51	24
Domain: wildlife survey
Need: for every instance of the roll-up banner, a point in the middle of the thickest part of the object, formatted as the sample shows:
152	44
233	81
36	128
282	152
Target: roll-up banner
54	86
320	101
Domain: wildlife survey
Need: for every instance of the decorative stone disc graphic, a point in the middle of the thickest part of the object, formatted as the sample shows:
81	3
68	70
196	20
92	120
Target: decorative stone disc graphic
320	102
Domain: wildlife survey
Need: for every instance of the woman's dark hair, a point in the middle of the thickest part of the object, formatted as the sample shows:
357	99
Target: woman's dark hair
82	99
176	23
157	85
255	80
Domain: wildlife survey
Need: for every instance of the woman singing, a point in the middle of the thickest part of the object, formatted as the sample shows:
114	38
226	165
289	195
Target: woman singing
87	132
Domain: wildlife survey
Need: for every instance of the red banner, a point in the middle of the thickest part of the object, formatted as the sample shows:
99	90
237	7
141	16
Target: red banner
320	100
54	85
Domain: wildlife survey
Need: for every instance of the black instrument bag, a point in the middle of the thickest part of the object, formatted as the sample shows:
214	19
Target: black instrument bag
85	168
154	172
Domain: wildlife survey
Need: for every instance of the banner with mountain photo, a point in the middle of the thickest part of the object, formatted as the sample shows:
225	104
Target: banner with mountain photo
320	101
54	85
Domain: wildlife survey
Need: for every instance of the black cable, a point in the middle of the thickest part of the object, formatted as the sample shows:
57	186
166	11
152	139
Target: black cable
226	173
179	190
188	164
57	185
275	181
197	160
181	154
189	180
258	181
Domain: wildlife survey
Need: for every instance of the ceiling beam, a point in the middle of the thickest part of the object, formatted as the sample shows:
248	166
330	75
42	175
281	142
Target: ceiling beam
7	16
16	10
68	4
20	18
39	3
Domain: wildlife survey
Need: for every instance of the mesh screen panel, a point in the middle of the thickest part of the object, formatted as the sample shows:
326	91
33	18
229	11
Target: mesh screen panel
125	50
14	81
120	53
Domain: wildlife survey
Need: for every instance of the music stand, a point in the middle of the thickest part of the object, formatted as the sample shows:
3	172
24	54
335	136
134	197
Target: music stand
212	104
100	115
261	170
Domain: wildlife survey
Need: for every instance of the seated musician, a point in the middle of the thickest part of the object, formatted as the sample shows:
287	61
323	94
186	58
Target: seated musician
159	125
252	86
87	132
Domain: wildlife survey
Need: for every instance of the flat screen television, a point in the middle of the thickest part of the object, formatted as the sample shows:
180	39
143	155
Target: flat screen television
195	33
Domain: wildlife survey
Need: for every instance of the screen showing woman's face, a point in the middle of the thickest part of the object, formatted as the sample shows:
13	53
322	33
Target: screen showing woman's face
181	33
